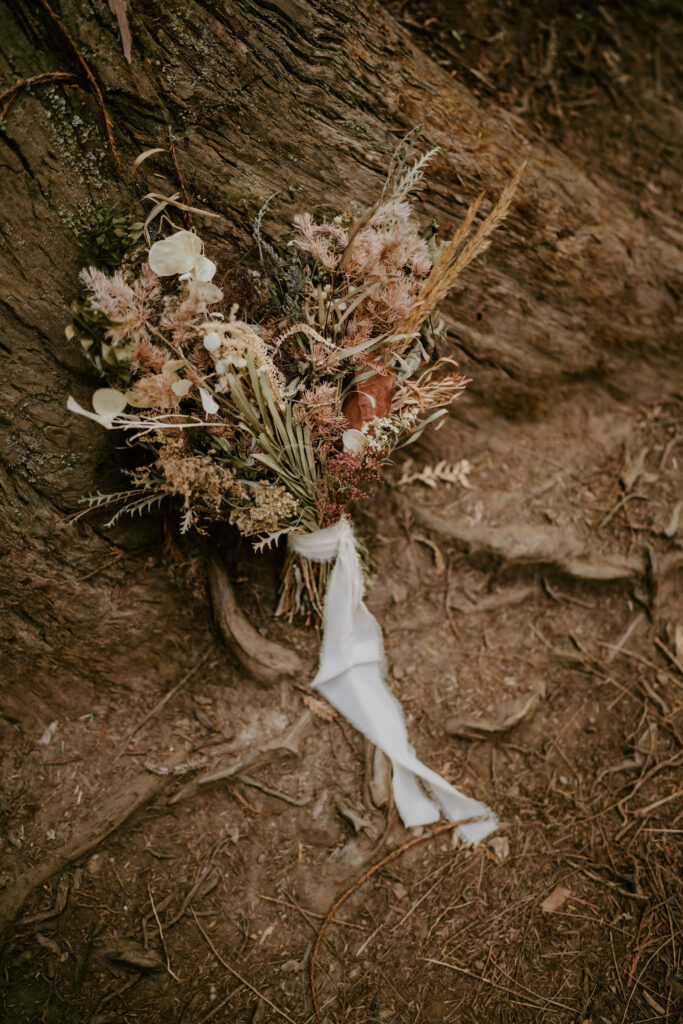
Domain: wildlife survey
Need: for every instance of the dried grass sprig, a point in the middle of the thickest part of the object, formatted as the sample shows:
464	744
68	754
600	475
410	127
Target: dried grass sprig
456	256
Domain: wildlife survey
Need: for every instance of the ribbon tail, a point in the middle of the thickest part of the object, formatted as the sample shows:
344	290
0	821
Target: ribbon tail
351	678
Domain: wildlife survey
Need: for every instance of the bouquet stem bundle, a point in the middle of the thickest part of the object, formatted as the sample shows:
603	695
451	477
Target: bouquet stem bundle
302	589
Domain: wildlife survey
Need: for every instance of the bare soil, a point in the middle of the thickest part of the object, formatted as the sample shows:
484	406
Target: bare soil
204	904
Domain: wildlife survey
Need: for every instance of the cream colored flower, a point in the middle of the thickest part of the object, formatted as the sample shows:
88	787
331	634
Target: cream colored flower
107	403
177	254
354	441
209	403
212	341
181	254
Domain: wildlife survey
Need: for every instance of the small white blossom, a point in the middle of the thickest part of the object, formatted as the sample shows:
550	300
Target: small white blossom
107	403
354	441
178	254
181	254
208	402
181	387
212	341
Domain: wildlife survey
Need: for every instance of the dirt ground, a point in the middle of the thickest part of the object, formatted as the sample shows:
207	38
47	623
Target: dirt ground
542	588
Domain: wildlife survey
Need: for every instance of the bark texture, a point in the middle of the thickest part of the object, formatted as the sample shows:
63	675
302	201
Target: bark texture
303	96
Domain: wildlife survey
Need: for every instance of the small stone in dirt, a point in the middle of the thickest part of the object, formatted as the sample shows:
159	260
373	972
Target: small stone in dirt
95	864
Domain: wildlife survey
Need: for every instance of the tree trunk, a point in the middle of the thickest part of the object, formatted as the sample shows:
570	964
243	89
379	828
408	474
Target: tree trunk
304	97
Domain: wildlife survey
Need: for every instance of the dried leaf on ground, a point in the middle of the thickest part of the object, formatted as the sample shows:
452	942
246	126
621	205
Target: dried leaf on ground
558	897
509	714
320	708
500	847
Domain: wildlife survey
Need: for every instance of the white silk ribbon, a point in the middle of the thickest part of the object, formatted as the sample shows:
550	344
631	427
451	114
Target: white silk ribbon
351	677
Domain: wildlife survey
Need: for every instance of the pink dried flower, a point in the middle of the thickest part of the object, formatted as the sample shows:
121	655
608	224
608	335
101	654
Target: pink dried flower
149	355
315	238
318	410
184	321
347	478
154	392
128	306
387	245
421	266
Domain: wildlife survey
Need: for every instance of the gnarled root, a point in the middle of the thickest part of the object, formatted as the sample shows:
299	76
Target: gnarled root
264	660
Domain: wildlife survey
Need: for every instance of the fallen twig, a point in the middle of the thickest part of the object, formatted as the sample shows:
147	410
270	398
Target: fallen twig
223	1002
108	123
545	1000
642	812
239	977
357	884
619	505
164	700
283	741
161	935
246	780
672	657
9	95
312	913
637	657
101	568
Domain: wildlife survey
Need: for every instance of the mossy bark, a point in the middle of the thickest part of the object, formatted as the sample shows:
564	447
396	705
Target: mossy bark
307	97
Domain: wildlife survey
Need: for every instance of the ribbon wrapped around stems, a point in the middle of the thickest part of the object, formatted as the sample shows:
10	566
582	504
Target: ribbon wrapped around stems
351	678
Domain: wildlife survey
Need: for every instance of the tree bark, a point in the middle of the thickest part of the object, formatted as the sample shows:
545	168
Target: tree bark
305	97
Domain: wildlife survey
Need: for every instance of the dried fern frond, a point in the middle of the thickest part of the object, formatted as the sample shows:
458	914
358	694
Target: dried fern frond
432	388
403	177
256	232
443	472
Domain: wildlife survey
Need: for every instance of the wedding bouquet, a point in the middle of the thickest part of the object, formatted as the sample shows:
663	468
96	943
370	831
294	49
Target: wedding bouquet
278	415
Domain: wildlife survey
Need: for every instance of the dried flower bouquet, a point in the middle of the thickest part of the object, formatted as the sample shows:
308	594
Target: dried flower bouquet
276	426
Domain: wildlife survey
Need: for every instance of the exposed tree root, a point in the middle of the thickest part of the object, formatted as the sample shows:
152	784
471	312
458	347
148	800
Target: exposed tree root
539	545
9	95
108	815
264	660
284	741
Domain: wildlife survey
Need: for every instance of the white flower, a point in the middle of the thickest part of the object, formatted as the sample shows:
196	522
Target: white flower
107	403
205	290
209	402
181	387
178	254
181	254
205	269
354	441
212	341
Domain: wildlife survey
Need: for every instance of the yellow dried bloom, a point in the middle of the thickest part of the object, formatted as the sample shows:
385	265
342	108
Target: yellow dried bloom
272	507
